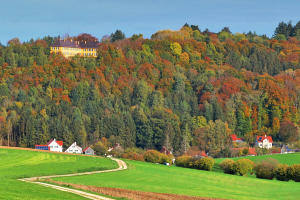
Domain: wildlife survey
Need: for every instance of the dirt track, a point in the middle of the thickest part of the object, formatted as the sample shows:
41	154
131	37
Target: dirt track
115	192
35	180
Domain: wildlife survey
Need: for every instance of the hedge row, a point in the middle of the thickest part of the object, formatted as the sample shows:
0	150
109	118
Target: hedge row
269	169
157	157
265	169
240	167
148	156
205	163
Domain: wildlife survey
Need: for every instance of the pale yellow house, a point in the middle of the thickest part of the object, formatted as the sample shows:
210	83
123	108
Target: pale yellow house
69	47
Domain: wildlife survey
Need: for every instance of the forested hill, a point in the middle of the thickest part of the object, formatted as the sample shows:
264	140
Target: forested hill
178	89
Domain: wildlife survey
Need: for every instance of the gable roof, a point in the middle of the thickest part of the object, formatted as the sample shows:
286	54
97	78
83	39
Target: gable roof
87	149
60	143
50	141
262	138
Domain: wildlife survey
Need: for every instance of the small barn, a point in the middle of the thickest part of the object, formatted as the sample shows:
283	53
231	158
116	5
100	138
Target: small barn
89	151
74	148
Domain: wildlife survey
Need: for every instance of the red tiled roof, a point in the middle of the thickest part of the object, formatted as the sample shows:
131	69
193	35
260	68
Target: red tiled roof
252	151
262	138
235	138
85	149
60	143
203	154
50	142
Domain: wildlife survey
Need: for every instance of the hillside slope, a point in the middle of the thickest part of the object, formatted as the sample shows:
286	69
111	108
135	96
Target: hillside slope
15	163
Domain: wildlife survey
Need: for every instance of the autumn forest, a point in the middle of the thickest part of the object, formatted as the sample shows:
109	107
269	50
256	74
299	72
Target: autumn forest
178	89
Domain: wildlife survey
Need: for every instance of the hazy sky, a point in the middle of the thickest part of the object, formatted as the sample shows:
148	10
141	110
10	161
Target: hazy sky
28	19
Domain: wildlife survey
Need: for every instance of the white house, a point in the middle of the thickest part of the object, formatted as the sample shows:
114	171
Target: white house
264	141
74	148
55	145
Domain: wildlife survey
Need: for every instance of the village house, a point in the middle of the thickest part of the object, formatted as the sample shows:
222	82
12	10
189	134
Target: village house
264	141
234	138
55	145
74	148
89	151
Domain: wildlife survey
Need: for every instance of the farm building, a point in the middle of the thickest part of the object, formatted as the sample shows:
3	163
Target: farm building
74	148
89	151
234	138
264	141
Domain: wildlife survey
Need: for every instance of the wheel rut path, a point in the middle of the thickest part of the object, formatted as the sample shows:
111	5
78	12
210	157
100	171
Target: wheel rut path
35	180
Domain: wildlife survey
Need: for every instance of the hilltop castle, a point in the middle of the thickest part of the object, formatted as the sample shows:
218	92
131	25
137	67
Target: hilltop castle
70	47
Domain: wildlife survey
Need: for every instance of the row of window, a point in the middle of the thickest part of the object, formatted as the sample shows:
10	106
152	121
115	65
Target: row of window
85	54
89	49
89	54
67	48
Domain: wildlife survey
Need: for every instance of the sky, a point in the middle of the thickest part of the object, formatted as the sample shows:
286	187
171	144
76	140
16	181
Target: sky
28	19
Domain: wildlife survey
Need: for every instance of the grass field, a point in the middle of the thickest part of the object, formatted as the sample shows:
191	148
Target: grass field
16	164
291	158
159	178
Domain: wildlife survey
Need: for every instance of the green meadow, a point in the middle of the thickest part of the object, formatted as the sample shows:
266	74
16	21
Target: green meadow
291	158
159	178
15	164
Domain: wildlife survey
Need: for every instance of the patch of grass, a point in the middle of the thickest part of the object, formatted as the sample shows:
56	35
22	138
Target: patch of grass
291	158
15	164
176	180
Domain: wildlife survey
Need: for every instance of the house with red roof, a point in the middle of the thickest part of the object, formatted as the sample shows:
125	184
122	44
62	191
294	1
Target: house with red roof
264	141
234	138
55	145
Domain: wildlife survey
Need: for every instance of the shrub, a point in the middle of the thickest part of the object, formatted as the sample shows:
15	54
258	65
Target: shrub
245	151
152	156
165	159
157	157
266	168
183	161
243	166
100	148
294	172
228	166
133	156
204	164
281	172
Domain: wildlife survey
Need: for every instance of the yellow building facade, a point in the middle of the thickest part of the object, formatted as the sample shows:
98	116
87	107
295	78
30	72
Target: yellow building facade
69	48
